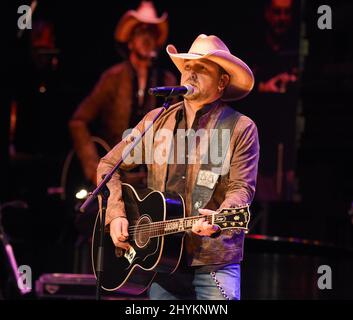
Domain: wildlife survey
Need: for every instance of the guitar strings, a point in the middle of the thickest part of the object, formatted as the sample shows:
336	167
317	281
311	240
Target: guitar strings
151	234
152	228
161	223
156	226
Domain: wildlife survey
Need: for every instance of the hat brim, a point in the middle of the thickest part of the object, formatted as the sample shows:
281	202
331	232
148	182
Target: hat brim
131	19
241	77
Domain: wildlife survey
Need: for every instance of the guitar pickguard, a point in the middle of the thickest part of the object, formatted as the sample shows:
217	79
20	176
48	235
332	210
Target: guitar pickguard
130	254
154	252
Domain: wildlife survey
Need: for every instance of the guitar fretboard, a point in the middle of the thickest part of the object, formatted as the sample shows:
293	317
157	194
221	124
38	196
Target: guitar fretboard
161	228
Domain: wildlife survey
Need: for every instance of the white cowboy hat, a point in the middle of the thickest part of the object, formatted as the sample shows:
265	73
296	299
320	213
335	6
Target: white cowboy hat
145	13
212	48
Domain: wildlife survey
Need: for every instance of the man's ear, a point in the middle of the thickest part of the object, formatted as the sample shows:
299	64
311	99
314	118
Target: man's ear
223	81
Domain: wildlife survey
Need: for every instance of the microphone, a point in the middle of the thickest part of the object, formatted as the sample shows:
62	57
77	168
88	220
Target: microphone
172	91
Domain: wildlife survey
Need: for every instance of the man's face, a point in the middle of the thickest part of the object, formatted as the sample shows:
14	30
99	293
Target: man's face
143	42
279	16
205	76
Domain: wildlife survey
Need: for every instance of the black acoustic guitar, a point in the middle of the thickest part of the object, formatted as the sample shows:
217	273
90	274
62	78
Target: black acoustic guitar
157	224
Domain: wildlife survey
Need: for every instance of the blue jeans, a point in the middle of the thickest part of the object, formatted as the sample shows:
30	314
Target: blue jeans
198	285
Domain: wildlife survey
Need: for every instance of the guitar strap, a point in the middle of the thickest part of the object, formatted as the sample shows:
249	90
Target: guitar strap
210	171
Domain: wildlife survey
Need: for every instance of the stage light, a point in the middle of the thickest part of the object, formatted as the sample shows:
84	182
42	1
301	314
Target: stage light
82	194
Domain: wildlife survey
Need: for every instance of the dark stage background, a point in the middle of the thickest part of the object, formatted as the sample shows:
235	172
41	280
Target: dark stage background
305	187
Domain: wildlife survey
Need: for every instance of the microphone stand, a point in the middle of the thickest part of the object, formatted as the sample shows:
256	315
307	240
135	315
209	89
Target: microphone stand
103	191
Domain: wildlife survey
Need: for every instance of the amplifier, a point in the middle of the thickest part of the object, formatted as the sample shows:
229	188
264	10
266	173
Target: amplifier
74	286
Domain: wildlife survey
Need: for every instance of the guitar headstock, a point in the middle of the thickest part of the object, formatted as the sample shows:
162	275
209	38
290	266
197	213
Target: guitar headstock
237	218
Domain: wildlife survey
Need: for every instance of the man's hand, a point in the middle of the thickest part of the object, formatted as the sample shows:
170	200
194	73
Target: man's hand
119	232
202	227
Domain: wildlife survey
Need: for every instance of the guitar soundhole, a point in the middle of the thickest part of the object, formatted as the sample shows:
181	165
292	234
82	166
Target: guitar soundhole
143	231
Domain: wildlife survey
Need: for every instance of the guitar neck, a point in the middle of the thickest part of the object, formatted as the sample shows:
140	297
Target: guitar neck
226	219
177	225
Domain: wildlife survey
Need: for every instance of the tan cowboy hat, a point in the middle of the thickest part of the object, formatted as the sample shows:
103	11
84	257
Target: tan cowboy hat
212	48
145	13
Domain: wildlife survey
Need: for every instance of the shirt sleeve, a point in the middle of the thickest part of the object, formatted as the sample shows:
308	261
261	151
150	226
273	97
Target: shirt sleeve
243	165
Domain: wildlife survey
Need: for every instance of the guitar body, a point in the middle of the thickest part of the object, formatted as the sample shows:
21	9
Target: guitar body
132	271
